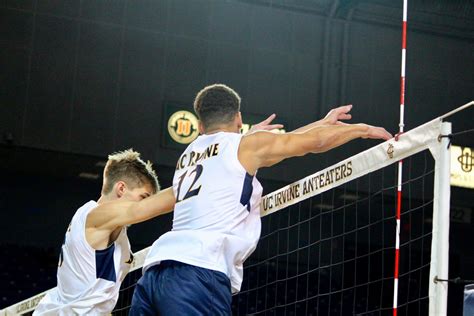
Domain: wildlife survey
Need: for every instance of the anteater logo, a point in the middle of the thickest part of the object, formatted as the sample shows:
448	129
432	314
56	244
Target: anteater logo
183	127
466	159
390	151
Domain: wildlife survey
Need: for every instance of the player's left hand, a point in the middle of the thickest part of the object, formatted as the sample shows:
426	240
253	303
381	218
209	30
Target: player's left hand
265	125
335	116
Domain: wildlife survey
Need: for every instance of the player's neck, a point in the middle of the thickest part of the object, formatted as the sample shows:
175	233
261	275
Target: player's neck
224	128
104	198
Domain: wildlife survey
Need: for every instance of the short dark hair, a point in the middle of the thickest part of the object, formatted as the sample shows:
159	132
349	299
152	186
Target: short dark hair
216	104
127	166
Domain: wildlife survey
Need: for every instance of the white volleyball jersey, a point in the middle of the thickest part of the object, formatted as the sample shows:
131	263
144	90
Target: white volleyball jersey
216	223
88	279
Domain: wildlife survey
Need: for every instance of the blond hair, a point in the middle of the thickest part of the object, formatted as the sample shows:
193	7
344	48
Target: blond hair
127	166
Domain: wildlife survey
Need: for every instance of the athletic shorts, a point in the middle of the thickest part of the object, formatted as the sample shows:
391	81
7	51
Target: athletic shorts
174	288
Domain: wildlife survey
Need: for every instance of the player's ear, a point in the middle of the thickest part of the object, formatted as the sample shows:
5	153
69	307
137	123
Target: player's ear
120	188
238	119
201	127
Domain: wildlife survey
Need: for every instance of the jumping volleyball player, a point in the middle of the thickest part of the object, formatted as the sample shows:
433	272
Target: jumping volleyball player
193	269
95	255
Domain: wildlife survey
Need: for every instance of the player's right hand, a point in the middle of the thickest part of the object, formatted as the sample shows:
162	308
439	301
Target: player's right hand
375	132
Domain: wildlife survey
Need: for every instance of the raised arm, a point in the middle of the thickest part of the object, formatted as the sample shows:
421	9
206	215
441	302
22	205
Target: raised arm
264	149
110	215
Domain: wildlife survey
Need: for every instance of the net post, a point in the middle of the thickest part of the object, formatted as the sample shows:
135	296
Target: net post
438	291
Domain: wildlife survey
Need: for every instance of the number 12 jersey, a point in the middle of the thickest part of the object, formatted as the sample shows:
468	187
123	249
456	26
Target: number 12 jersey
216	223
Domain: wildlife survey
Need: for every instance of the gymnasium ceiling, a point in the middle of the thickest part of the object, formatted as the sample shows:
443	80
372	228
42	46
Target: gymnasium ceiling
450	17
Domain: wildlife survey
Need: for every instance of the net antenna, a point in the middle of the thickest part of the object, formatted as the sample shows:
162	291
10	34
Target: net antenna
400	163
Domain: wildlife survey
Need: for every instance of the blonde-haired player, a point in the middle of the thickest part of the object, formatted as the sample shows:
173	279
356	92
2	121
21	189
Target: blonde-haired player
95	255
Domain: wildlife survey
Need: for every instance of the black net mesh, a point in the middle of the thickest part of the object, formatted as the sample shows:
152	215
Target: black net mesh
333	254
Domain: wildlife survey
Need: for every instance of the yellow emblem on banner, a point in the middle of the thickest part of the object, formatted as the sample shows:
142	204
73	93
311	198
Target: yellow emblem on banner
462	167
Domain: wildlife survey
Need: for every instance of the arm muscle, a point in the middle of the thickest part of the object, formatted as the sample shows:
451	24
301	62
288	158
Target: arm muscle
111	215
264	149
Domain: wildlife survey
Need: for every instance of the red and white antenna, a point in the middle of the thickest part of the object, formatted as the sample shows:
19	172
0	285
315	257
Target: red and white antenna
400	163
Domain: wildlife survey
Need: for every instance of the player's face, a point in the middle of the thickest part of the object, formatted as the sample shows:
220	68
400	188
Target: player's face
138	194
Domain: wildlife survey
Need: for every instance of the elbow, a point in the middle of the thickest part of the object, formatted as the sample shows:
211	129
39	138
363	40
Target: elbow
314	141
319	145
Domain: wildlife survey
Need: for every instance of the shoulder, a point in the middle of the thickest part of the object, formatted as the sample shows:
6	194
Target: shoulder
252	148
101	214
83	211
257	140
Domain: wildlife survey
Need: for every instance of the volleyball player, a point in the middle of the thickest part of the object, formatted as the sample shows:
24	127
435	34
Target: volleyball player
95	255
193	269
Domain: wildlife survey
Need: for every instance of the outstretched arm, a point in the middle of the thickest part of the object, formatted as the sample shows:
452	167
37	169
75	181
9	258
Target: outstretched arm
263	149
110	215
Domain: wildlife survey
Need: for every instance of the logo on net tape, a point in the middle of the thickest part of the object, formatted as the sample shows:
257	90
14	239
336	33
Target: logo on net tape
390	151
183	127
466	159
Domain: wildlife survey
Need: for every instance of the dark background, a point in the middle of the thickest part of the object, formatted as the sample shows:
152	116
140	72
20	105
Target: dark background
81	79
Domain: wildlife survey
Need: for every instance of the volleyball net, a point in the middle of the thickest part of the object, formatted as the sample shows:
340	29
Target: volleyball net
328	246
328	242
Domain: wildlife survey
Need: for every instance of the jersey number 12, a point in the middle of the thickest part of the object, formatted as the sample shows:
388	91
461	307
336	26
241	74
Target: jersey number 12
197	172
